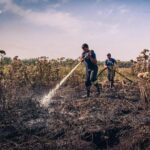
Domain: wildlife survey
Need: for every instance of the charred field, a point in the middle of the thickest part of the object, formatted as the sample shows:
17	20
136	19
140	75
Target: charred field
116	119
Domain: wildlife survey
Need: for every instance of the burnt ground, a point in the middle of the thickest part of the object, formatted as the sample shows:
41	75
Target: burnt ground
117	120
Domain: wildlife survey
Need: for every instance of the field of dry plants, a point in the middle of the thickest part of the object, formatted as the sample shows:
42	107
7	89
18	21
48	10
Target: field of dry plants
118	119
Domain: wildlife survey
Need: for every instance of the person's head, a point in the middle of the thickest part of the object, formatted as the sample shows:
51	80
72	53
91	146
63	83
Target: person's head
85	47
108	55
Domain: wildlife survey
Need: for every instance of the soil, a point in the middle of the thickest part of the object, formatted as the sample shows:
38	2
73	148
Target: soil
115	120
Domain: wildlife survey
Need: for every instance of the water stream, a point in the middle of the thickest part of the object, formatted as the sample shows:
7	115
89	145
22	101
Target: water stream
47	98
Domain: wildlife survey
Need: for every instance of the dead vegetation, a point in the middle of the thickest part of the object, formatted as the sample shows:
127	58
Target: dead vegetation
118	119
141	68
115	120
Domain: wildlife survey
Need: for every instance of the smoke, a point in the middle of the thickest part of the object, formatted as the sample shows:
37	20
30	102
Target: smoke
47	99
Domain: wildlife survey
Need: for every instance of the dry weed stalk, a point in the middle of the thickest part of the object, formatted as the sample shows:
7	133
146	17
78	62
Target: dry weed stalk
141	68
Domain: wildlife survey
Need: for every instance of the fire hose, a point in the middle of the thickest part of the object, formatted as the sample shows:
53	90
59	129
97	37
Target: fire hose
116	72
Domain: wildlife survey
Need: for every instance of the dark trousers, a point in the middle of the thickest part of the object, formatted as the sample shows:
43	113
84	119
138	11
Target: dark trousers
111	76
91	77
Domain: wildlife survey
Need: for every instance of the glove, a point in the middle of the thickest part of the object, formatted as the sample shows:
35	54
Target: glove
87	55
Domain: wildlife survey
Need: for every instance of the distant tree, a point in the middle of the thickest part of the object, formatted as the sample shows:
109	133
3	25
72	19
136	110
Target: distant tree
2	53
31	61
124	64
7	60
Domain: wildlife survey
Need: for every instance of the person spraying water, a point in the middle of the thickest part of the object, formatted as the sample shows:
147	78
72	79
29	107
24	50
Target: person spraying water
90	61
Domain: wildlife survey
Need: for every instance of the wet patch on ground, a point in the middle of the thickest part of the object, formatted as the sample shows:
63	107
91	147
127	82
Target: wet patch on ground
114	120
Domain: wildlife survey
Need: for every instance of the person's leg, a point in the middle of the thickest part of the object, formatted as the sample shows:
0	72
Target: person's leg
112	84
109	75
112	78
94	80
88	82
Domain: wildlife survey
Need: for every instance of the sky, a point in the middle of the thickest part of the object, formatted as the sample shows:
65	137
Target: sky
58	28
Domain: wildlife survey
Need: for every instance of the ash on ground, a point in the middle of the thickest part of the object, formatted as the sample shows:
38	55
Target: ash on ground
116	119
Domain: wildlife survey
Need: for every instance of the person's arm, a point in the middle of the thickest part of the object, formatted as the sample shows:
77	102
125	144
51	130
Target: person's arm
115	64
106	66
84	56
93	60
93	57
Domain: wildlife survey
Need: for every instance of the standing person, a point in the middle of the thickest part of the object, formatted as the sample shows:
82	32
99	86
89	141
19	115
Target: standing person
110	64
89	58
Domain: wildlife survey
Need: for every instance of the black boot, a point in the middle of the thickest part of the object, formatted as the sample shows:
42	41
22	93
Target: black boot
112	84
98	89
88	91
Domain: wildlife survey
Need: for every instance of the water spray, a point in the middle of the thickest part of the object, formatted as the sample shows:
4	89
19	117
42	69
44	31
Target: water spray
46	99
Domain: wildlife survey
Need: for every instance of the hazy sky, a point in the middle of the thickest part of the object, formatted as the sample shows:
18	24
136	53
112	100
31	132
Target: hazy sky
57	28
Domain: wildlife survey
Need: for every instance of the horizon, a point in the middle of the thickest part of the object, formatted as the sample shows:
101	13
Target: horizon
58	28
